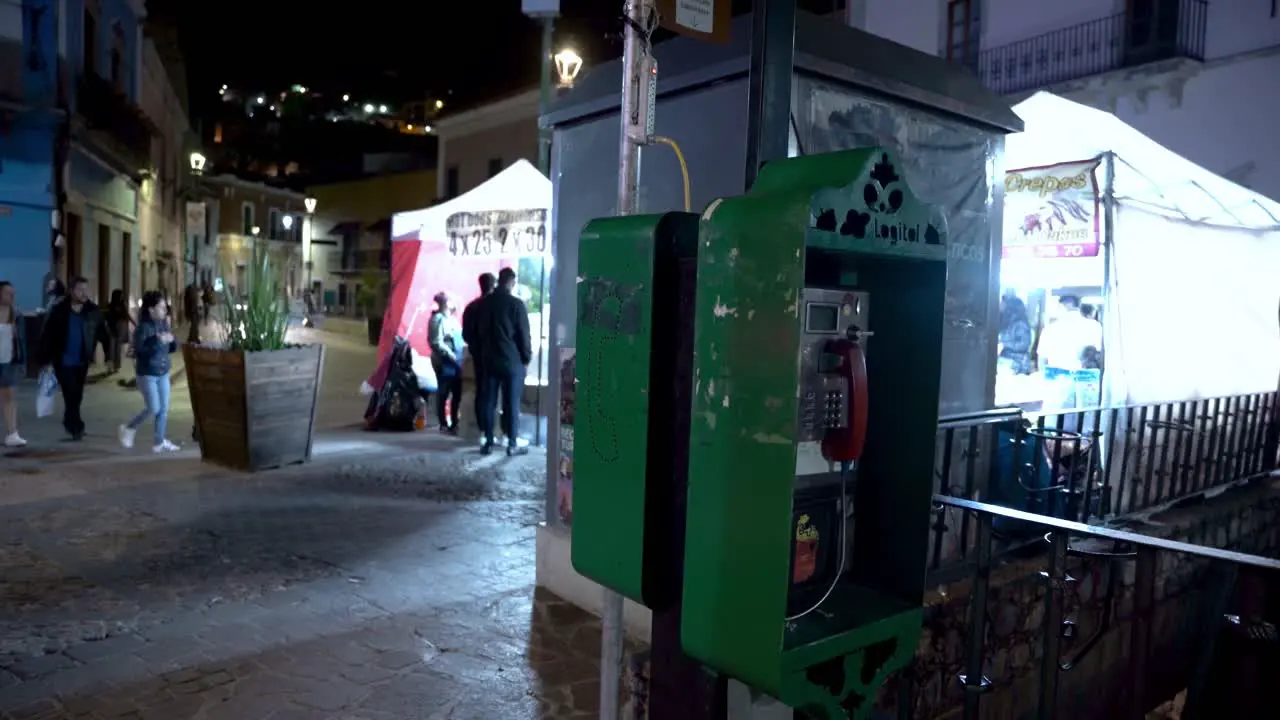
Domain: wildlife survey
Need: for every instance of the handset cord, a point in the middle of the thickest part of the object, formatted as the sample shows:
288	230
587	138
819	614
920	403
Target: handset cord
846	467
684	168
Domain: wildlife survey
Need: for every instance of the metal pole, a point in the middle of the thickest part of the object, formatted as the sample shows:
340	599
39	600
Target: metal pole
544	165
637	13
773	30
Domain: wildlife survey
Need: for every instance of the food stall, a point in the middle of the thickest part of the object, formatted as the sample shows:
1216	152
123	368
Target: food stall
1174	264
444	248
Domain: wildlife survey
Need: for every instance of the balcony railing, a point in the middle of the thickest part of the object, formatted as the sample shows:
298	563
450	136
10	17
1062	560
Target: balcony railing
1172	29
1093	466
114	121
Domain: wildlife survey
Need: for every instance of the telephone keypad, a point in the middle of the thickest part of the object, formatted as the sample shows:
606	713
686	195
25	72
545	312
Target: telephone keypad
833	409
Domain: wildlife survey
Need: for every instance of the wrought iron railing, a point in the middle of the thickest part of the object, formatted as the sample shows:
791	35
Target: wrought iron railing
115	120
1172	29
1154	652
1098	464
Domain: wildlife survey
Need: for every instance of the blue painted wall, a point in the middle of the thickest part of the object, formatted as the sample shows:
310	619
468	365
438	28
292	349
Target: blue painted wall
26	159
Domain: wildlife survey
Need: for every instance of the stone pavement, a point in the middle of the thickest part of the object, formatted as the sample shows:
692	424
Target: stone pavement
391	579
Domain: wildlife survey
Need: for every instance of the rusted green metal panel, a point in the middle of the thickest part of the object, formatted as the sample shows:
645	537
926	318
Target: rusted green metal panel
844	220
623	405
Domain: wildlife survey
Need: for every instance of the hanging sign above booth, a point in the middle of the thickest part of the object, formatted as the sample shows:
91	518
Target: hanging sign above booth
1052	211
498	234
700	19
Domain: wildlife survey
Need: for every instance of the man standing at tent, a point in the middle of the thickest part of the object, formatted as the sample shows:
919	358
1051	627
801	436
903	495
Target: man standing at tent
506	349
471	337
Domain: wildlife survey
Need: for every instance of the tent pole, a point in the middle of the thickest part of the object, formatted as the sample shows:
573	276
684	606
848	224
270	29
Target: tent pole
1108	247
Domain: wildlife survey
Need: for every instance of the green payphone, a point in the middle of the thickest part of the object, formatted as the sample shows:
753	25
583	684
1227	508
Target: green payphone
766	378
817	358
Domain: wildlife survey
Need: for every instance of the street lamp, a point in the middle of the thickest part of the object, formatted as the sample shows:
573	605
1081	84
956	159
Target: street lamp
198	162
287	222
568	65
308	227
256	230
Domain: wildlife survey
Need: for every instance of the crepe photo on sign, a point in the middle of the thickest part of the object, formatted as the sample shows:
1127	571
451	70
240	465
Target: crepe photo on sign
1052	211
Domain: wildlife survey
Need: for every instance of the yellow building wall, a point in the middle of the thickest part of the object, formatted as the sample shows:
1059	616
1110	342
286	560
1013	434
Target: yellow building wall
371	199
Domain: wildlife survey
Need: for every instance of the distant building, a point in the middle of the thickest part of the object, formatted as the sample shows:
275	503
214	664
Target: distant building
481	142
164	259
1195	76
353	218
245	217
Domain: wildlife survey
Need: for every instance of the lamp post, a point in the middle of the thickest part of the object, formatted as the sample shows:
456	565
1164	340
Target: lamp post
197	221
307	229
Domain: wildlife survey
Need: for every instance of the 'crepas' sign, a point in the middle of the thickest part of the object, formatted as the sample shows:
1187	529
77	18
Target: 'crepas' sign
1045	184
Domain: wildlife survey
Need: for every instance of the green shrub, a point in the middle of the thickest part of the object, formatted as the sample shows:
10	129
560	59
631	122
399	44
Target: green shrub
258	320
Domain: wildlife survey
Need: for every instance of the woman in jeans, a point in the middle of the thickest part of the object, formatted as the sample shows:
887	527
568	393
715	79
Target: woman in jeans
152	343
12	362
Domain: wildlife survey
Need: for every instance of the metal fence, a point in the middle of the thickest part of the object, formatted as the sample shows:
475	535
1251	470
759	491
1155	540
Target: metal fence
1094	465
1137	565
1172	29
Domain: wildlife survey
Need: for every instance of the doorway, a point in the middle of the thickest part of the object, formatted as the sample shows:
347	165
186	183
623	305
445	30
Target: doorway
126	265
75	248
104	264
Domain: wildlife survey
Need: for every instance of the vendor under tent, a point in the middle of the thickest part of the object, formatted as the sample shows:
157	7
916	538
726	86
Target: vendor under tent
444	248
1175	265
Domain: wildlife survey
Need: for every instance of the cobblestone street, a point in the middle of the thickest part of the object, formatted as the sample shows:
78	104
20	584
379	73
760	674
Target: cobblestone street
391	582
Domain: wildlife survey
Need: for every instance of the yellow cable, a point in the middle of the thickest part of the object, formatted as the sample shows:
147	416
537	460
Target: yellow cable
684	168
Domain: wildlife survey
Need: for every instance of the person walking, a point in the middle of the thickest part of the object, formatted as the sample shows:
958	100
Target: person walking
471	337
445	336
71	333
153	342
119	321
506	351
13	362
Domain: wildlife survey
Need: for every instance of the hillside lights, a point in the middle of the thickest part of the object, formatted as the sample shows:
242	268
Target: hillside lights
568	65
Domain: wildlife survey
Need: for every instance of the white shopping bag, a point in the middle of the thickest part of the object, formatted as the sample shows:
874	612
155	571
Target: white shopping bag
46	389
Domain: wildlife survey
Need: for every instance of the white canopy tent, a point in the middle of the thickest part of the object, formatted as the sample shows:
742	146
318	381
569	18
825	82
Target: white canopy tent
1192	260
521	185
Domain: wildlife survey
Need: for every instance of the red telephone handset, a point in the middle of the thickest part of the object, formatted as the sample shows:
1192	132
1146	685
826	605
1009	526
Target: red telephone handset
845	444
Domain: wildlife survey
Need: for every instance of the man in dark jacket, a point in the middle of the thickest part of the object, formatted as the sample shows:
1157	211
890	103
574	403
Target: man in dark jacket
71	333
505	350
471	337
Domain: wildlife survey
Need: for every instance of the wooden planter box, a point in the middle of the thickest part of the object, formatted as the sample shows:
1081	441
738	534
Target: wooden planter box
254	411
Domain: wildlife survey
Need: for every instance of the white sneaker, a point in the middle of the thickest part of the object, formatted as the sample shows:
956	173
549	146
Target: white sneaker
165	447
14	440
126	436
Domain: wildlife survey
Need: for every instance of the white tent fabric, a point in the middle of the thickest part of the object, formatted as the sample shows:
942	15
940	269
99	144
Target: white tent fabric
521	185
1196	310
1146	173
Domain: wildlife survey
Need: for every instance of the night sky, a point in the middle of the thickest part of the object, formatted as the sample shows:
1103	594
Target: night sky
465	50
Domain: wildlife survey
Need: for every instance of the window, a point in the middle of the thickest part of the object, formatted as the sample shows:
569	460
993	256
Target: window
451	182
90	44
117	57
275	224
964	31
246	218
495	166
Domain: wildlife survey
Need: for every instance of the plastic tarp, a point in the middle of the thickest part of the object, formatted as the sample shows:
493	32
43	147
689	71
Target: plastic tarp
1146	172
947	163
1196	310
444	248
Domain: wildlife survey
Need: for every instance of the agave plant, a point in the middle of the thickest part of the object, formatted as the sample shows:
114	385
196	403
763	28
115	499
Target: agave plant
260	319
